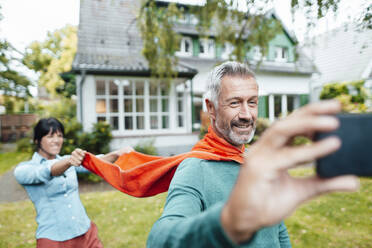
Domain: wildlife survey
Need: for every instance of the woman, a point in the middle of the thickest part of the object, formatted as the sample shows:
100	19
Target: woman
51	183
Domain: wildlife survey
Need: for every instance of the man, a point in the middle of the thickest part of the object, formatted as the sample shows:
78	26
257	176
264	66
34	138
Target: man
228	204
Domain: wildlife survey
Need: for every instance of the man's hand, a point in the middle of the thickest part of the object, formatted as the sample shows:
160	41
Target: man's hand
265	193
77	157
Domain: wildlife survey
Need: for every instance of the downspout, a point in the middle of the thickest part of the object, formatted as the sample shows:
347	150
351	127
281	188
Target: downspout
80	92
192	106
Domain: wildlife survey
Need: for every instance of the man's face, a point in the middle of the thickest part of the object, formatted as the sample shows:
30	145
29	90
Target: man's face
236	114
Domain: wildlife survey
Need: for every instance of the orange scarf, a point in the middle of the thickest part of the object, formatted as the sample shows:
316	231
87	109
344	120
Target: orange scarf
142	175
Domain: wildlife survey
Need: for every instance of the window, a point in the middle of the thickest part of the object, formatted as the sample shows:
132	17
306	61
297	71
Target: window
277	106
131	106
159	107
291	103
206	48
180	110
284	104
256	53
227	49
107	105
281	54
185	47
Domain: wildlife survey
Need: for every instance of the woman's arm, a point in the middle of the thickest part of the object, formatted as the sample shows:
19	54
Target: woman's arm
113	156
62	165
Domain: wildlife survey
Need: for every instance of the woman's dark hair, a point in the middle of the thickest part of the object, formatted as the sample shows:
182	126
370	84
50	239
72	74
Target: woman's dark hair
44	126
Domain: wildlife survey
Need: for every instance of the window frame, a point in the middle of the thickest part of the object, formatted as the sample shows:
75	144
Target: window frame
172	114
282	50
182	51
207	52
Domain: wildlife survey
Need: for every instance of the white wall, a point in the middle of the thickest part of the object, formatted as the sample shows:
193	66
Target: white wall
89	103
274	83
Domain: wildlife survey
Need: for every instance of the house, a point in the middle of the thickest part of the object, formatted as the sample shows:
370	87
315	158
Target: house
341	55
114	83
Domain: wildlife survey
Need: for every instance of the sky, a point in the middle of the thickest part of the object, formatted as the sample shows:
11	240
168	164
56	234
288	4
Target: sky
27	20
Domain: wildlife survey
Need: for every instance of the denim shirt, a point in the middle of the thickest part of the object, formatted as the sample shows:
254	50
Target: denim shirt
60	214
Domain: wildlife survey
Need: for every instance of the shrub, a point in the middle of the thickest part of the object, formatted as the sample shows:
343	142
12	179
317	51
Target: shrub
25	145
352	95
261	125
96	142
89	177
146	147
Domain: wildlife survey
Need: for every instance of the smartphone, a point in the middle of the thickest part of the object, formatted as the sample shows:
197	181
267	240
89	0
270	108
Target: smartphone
355	155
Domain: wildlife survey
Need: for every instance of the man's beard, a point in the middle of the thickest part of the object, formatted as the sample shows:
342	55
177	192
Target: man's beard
234	138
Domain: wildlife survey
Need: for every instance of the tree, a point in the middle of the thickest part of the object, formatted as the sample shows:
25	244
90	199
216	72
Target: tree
242	23
53	57
12	82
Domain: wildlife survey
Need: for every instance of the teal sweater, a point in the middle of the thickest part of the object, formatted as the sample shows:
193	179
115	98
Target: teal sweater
191	216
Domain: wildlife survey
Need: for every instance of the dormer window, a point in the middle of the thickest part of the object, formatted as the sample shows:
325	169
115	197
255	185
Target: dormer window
281	54
185	47
206	48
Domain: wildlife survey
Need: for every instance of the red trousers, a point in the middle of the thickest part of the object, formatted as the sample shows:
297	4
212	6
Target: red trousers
87	240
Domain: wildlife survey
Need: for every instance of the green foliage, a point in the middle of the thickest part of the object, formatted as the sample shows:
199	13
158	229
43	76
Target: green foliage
12	104
12	82
352	95
160	41
89	177
241	29
52	57
146	147
96	142
25	145
73	132
261	125
64	109
243	24
69	88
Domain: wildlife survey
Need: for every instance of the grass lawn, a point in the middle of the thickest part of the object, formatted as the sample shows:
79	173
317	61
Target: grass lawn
10	159
336	220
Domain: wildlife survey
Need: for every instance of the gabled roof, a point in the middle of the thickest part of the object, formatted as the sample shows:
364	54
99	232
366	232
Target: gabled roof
343	54
109	41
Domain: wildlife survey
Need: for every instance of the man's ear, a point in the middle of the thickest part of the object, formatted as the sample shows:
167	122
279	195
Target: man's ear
211	109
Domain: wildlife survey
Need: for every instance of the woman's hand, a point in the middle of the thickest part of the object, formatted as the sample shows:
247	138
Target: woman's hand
113	156
124	150
77	157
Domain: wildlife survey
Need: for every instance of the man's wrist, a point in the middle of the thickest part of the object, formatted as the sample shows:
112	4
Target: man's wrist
237	231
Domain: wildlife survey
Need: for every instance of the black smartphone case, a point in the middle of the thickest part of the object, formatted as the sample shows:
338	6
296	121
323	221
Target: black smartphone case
355	155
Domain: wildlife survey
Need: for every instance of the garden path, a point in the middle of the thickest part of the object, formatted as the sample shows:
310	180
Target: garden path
11	191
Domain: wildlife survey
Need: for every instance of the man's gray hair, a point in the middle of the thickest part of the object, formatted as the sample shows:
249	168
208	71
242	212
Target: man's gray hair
229	68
